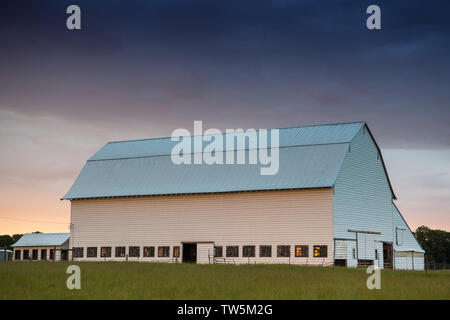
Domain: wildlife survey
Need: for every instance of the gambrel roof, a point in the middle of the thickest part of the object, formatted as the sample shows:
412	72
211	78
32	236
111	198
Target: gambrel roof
309	157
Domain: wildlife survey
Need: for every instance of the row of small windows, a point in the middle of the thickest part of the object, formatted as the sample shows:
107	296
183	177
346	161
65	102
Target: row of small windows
106	252
319	251
266	251
25	254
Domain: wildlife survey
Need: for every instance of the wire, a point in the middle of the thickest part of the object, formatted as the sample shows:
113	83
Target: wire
26	220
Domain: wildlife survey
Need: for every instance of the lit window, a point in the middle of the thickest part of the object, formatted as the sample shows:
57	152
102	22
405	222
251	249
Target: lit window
91	252
105	252
163	251
320	251
149	251
232	251
134	251
301	251
265	251
283	251
176	252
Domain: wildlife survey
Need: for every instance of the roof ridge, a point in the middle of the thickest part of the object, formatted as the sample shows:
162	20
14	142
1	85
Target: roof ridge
291	127
47	233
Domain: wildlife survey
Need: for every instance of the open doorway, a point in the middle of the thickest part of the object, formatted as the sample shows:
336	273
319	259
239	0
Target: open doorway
388	254
190	252
64	255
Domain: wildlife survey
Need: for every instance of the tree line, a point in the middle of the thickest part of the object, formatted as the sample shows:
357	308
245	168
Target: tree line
436	244
7	240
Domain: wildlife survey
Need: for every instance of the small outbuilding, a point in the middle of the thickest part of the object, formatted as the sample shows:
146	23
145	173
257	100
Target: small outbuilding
42	246
5	254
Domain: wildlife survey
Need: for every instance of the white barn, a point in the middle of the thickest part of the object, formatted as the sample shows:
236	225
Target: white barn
331	202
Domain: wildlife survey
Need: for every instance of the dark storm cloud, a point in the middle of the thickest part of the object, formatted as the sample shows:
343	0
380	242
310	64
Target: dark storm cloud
233	63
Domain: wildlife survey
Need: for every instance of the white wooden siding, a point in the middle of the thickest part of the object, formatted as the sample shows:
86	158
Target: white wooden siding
205	252
366	246
406	240
363	201
340	250
362	197
290	217
404	261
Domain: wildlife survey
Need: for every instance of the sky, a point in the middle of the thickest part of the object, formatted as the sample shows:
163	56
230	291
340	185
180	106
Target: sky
140	69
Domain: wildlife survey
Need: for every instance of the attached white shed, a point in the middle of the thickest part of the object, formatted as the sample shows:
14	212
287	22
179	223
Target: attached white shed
42	246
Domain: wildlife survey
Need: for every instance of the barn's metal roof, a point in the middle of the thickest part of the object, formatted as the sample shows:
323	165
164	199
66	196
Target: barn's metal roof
42	239
295	136
310	157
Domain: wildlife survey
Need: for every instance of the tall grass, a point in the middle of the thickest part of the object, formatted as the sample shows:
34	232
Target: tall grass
131	280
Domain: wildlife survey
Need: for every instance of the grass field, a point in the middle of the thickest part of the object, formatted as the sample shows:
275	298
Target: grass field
131	280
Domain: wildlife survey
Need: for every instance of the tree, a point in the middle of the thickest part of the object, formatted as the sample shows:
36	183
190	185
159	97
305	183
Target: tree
8	241
436	243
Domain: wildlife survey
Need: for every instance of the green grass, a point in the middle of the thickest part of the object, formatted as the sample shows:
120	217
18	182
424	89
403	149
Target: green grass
130	280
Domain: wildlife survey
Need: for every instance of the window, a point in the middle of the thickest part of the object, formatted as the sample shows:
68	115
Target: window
248	251
354	253
163	251
176	252
399	235
134	251
218	251
35	254
26	254
320	251
265	251
283	251
16	254
51	254
92	252
120	251
76	252
301	251
43	254
232	251
105	252
376	254
149	251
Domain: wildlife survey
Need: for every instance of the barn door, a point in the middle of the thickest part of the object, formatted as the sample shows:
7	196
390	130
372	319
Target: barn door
190	252
366	248
388	255
205	252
